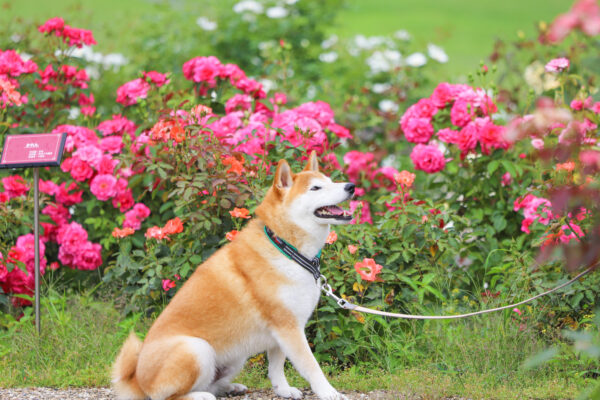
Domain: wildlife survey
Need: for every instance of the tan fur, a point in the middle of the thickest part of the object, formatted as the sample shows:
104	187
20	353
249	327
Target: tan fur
124	380
230	297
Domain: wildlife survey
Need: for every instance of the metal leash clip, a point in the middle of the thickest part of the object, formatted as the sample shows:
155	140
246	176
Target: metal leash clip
326	288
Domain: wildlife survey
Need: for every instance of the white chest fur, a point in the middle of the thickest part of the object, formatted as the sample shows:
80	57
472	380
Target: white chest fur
300	297
302	294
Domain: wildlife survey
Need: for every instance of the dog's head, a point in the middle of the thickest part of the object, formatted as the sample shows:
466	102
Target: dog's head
308	199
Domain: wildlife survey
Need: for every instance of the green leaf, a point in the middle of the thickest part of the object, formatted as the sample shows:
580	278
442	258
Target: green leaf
196	259
509	167
499	222
540	358
392	258
492	166
165	207
576	300
435	292
408	281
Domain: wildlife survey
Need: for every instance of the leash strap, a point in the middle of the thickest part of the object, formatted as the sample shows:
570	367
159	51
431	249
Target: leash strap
343	303
313	266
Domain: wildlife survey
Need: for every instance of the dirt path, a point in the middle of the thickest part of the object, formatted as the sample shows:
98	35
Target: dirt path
106	394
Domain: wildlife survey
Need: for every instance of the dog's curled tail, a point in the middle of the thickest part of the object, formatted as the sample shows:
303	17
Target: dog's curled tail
124	381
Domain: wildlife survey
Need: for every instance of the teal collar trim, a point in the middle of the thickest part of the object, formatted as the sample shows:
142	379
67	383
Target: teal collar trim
313	266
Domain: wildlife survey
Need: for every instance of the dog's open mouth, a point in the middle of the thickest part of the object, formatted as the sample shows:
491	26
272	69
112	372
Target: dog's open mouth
333	212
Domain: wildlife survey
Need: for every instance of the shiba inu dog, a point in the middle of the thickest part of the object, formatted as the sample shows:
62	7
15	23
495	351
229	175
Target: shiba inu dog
248	297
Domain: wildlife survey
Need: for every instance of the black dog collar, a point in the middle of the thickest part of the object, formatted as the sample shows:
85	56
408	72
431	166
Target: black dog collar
313	266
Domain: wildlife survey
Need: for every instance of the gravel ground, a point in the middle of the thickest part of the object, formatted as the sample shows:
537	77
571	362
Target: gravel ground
106	394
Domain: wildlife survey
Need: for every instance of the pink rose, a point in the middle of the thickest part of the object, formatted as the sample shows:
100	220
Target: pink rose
68	199
340	131
239	102
103	186
251	87
167	284
131	221
130	92
202	69
385	177
90	154
78	136
364	212
448	135
77	37
15	186
537	143
135	216
53	24
88	256
231	71
427	158
141	211
576	105
491	136
443	94
112	144
557	65
358	162
80	170
156	78
123	200
461	113
66	255
590	159
26	243
48	187
12	64
71	236
107	165
467	137
57	213
117	125
418	130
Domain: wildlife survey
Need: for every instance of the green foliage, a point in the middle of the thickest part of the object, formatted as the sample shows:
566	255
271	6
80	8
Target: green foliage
75	350
80	337
448	244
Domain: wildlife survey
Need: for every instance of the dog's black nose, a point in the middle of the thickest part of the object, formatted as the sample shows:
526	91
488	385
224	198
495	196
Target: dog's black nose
350	187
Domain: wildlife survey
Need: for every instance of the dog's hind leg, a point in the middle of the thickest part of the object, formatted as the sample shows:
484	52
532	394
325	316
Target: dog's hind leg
222	384
177	368
281	387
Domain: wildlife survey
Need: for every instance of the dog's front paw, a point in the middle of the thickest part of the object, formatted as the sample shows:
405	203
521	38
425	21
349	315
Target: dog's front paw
330	394
234	389
288	392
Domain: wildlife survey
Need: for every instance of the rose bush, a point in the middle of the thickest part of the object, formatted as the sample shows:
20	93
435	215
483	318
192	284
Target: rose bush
168	166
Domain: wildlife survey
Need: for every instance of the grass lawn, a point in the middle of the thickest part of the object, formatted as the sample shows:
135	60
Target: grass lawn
466	29
111	21
81	336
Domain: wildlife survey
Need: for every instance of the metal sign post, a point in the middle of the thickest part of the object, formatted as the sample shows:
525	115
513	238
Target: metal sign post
36	237
34	150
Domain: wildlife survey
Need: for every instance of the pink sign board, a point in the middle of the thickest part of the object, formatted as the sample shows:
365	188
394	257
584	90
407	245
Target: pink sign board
33	150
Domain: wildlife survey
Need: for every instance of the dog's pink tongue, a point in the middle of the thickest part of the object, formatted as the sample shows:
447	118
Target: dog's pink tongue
335	210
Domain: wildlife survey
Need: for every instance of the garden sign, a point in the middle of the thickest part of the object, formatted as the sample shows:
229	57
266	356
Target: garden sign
34	151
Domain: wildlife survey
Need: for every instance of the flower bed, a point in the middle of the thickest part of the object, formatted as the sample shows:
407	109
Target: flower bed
488	188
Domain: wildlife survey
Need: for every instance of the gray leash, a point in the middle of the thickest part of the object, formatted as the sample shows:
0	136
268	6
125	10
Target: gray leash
343	303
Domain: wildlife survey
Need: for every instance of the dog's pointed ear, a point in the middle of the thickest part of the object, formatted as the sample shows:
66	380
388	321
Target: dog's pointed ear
312	164
283	176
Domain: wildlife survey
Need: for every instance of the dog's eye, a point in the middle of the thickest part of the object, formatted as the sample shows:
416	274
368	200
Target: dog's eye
315	188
